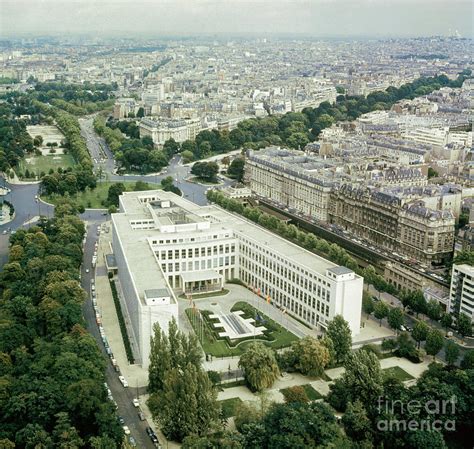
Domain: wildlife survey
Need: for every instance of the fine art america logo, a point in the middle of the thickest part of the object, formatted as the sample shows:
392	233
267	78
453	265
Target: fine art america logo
433	415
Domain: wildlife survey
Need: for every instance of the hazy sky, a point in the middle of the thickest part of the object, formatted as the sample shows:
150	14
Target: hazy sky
181	17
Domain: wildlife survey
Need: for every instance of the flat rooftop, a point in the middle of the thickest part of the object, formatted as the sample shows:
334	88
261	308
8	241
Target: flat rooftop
144	267
135	242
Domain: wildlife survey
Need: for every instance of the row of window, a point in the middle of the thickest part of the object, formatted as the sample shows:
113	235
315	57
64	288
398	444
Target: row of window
311	313
196	252
197	265
202	238
280	265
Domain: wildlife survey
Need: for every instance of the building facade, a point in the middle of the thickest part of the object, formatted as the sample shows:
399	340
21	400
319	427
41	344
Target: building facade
166	246
274	174
163	130
387	220
461	297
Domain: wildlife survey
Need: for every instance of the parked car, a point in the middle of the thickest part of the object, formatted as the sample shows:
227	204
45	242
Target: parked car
126	430
135	402
141	416
132	441
121	420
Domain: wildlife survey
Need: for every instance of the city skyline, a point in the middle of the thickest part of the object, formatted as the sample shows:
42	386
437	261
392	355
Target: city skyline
318	18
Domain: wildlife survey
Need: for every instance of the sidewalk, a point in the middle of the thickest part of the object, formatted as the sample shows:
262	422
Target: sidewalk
135	375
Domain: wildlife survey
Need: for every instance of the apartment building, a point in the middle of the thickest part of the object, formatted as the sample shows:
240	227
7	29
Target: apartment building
123	107
164	129
461	297
165	246
394	220
291	178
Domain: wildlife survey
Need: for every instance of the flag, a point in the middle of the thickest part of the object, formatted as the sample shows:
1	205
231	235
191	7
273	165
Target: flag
268	299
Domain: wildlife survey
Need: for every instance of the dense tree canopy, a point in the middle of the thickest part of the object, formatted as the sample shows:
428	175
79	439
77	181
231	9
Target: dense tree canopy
51	370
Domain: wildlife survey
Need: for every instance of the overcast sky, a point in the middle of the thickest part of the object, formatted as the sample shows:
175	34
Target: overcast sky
181	17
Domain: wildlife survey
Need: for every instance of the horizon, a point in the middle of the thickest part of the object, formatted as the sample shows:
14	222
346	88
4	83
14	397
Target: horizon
331	19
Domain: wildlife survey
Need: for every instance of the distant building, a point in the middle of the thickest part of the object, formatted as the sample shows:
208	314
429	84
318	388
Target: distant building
396	221
164	129
123	107
289	178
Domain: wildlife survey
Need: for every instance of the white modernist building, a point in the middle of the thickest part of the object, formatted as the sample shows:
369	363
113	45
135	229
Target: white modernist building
165	246
461	297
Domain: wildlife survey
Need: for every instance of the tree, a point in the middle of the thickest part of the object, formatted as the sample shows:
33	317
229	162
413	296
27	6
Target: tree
140	112
115	190
468	360
464	257
432	173
380	311
187	156
422	439
311	355
356	423
367	304
187	404
236	169
205	170
170	147
38	141
446	321
299	425
295	394
419	304
420	332
339	333
396	319
140	186
434	342
363	377
260	366
464	325
452	351
168	186
434	310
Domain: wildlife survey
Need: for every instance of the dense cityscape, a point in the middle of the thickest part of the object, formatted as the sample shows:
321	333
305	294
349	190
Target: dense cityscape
233	239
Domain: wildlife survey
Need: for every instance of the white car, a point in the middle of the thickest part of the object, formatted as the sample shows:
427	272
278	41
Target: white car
123	381
135	402
126	430
87	270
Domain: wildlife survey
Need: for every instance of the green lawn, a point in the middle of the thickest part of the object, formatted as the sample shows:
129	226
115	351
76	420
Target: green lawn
38	164
311	393
281	338
228	406
92	199
398	373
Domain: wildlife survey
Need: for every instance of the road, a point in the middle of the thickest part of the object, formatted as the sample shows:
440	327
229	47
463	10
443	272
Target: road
123	396
103	160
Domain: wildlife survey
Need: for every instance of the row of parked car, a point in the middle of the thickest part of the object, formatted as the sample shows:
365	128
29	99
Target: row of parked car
123	381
